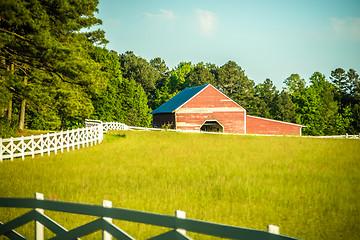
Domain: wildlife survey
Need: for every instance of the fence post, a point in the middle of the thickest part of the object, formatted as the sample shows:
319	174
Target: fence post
67	137
78	138
182	215
22	144
32	146
48	143
87	136
62	141
56	142
91	138
12	148
106	235
73	140
39	228
83	134
42	144
101	133
273	229
1	150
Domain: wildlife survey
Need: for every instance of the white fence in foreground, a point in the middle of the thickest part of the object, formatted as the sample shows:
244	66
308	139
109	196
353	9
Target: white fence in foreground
11	148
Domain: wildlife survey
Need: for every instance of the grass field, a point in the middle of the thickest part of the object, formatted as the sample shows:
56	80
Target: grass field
309	187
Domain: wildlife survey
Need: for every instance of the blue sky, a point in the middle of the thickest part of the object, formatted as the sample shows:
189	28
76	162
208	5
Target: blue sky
268	39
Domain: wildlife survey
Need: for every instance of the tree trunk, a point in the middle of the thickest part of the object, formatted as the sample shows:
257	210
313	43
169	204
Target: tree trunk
22	111
22	114
2	110
9	113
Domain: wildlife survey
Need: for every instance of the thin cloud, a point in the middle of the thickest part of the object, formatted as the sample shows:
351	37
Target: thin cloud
207	22
348	28
163	14
338	24
114	21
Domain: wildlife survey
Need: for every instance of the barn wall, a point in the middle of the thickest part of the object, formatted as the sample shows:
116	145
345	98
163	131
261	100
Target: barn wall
233	122
210	104
256	125
164	118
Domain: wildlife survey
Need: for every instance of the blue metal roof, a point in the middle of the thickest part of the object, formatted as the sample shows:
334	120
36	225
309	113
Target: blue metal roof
178	100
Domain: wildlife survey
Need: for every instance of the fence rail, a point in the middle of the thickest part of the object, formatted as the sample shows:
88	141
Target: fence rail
178	223
114	126
106	125
339	136
122	126
11	148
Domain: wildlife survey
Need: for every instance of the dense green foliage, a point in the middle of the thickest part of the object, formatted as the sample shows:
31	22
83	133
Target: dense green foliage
309	187
49	64
44	60
60	74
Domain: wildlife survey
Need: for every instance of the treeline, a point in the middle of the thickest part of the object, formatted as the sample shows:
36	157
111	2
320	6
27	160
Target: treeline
54	75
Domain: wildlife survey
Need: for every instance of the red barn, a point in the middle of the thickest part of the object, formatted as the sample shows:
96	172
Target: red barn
207	109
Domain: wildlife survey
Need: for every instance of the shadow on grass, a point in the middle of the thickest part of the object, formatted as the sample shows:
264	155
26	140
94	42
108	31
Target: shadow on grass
117	135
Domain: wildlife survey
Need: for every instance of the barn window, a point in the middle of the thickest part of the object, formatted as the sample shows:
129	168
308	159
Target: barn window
212	126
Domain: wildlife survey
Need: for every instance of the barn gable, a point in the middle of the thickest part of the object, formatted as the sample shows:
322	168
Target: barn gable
211	99
202	107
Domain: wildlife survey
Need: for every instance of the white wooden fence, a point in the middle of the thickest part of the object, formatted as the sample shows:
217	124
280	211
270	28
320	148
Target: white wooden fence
107	125
339	136
91	134
122	126
50	142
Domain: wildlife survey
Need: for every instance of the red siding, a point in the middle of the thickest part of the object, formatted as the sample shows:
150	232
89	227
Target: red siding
210	104
210	97
256	125
233	122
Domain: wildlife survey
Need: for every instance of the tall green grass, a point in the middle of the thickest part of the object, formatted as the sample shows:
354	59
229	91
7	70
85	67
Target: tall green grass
309	187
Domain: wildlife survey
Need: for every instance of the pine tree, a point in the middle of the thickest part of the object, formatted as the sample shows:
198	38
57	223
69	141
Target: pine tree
233	82
267	95
43	41
285	108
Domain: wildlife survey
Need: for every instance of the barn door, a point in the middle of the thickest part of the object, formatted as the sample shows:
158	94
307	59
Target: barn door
212	126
